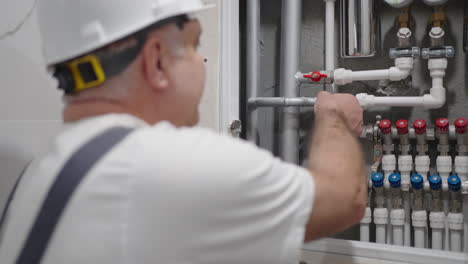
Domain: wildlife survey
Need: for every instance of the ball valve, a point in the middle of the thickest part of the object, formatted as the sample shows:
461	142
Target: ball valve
437	216
442	125
385	127
460	125
455	217
435	182
402	127
417	181
419	216
315	76
395	180
380	212
461	160
422	161
377	180
420	127
454	183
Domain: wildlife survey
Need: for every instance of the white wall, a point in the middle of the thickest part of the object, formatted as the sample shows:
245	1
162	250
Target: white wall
30	104
210	49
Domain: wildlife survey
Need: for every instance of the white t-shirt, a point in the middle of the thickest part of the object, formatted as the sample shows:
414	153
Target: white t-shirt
167	195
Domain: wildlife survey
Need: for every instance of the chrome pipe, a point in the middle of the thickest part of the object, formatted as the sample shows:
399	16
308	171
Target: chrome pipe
253	63
281	102
290	48
358	28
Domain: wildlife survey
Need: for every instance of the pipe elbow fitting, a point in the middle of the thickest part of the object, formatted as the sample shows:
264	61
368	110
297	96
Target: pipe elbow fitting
403	68
366	100
398	74
436	99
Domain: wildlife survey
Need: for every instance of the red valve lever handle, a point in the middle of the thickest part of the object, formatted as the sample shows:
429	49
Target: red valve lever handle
315	76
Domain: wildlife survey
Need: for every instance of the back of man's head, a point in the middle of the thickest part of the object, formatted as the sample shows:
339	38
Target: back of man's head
91	44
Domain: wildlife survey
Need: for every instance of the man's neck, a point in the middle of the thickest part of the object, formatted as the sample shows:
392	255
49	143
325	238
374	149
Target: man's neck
86	109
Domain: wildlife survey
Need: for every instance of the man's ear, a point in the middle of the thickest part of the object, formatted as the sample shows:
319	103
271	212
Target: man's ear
153	66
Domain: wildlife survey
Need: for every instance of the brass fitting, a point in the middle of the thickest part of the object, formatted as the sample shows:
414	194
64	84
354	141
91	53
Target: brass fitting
404	18
438	17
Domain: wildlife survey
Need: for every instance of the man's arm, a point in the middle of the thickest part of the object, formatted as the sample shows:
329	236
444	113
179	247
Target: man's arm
336	163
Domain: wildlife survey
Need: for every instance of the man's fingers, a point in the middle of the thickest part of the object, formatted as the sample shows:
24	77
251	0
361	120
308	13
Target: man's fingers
346	105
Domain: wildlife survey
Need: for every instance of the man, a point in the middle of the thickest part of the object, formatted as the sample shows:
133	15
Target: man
168	192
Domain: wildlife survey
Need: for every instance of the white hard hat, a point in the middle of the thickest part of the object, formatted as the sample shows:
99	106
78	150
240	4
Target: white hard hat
71	28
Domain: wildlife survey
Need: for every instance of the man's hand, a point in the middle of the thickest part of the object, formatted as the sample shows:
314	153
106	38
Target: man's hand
345	105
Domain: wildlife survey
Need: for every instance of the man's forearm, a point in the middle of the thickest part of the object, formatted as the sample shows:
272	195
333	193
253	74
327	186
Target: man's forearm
337	167
335	152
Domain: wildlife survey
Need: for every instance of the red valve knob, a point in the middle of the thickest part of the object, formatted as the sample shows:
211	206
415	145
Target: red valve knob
385	126
460	125
315	76
442	125
402	127
420	126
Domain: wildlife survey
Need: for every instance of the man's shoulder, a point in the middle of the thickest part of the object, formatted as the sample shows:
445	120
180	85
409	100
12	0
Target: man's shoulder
190	141
193	151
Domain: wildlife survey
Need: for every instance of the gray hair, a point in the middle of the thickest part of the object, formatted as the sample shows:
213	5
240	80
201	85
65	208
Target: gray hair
119	86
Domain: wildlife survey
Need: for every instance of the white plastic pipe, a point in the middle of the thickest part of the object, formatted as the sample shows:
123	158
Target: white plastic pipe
398	235
434	100
437	221
446	231
422	165
420	226
402	69
405	166
437	238
455	223
330	46
456	240
461	168
419	237
389	165
365	232
407	227
465	223
380	231
381	221
397	219
365	225
444	168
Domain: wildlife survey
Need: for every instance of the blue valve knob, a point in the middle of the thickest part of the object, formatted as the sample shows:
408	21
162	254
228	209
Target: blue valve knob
377	180
454	183
436	182
417	181
395	180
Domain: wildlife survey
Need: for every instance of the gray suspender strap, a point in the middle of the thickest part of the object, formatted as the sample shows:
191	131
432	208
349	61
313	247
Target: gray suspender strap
69	178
